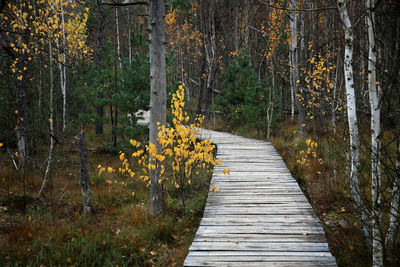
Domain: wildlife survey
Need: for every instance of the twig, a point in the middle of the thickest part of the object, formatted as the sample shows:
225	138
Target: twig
306	9
12	158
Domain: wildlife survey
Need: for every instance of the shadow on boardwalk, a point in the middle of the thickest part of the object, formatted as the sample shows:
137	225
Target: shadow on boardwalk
259	217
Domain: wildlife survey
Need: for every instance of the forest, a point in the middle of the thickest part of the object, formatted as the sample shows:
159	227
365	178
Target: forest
102	101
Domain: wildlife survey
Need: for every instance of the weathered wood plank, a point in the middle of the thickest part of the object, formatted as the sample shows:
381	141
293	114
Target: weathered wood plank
259	216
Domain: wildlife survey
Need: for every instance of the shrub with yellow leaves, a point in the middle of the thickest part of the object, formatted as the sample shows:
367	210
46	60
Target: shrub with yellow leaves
181	150
309	153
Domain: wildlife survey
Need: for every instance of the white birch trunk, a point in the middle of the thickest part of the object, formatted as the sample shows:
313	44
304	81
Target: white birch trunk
374	98
157	98
294	51
61	66
293	47
352	122
270	108
51	121
118	36
129	34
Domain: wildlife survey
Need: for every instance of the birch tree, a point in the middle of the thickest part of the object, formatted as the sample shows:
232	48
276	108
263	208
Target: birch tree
352	121
295	69
61	66
157	98
51	121
374	98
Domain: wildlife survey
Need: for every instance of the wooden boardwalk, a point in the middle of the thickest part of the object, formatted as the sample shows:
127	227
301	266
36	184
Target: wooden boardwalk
260	216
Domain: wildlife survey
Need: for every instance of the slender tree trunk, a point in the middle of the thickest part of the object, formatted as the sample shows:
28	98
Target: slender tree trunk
374	98
61	66
294	51
114	123
128	10
333	120
394	207
202	79
51	121
270	109
352	122
84	173
212	62
99	65
157	98
22	114
118	38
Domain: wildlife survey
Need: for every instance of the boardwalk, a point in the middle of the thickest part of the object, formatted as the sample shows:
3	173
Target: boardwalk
260	217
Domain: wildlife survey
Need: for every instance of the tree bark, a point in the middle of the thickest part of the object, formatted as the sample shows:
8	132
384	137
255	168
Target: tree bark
84	173
352	122
114	123
157	98
61	66
294	51
374	98
22	121
51	121
99	62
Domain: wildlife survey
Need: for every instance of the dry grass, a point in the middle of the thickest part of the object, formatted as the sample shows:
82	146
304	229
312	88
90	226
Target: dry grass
120	231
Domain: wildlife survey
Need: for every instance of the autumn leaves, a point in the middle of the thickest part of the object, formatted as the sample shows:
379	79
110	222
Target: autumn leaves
182	155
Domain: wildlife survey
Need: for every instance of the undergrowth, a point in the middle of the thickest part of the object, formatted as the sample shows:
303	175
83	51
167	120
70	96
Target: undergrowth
119	233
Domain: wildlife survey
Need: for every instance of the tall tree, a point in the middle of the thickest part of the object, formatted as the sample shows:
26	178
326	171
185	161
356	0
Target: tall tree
294	67
352	120
374	98
158	97
99	64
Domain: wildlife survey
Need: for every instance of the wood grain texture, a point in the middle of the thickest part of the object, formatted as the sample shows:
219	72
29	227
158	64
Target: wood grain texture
259	216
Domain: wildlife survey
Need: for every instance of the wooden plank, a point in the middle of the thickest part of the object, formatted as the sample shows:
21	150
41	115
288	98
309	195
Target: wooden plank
258	246
204	262
259	216
289	238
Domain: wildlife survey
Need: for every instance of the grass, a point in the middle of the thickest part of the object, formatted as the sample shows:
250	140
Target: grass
120	231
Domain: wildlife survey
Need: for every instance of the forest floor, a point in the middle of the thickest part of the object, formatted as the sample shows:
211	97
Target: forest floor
120	232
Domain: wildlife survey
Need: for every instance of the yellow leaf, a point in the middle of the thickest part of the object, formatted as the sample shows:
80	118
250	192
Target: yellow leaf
133	142
1	144
376	83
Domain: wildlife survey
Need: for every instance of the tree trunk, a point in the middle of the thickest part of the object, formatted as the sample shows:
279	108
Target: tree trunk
114	123
22	121
61	66
374	98
352	122
51	121
294	51
271	100
157	98
84	173
202	79
128	10
99	62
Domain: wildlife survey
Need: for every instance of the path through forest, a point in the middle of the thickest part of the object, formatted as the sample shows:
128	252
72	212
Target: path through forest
257	215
